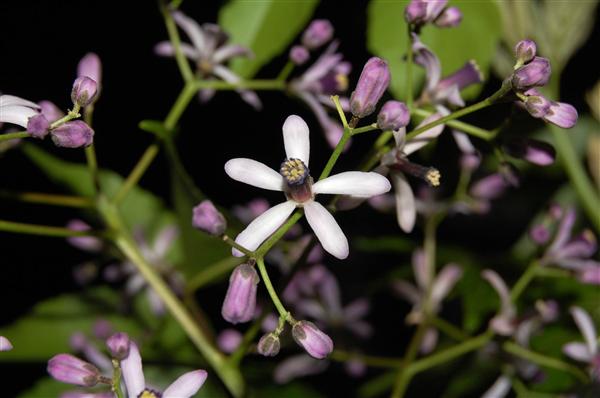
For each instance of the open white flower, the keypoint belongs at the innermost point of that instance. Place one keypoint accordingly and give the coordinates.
(297, 184)
(15, 110)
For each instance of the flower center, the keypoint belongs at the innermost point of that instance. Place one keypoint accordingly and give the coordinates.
(149, 394)
(298, 180)
(205, 67)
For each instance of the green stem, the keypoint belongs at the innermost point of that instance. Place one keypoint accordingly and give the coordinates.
(249, 336)
(403, 377)
(13, 136)
(230, 375)
(266, 246)
(448, 328)
(182, 62)
(212, 272)
(544, 360)
(116, 380)
(462, 126)
(233, 243)
(181, 103)
(90, 155)
(286, 71)
(265, 277)
(369, 360)
(48, 199)
(46, 230)
(409, 70)
(270, 84)
(340, 110)
(72, 114)
(136, 174)
(523, 281)
(364, 129)
(492, 99)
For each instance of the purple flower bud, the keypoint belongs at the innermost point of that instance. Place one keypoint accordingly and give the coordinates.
(470, 161)
(208, 219)
(91, 67)
(393, 115)
(535, 73)
(316, 343)
(525, 51)
(118, 344)
(562, 114)
(73, 134)
(84, 91)
(240, 300)
(372, 83)
(299, 55)
(539, 234)
(490, 187)
(5, 344)
(38, 126)
(537, 105)
(269, 345)
(72, 370)
(415, 12)
(102, 329)
(319, 32)
(50, 111)
(533, 151)
(229, 340)
(589, 274)
(449, 18)
(86, 243)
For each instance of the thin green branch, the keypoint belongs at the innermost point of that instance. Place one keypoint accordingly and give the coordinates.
(272, 84)
(182, 62)
(269, 243)
(212, 272)
(283, 313)
(475, 131)
(369, 360)
(48, 199)
(14, 136)
(45, 230)
(524, 281)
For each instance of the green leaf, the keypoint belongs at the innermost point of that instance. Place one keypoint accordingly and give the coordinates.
(266, 27)
(475, 38)
(48, 387)
(480, 301)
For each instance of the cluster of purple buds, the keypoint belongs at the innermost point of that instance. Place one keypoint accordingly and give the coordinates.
(317, 34)
(421, 12)
(372, 83)
(530, 72)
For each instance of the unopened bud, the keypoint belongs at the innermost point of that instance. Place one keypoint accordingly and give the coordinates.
(562, 114)
(319, 32)
(84, 91)
(38, 126)
(118, 344)
(269, 345)
(50, 111)
(525, 51)
(240, 299)
(537, 105)
(415, 12)
(299, 55)
(393, 116)
(316, 343)
(208, 219)
(535, 73)
(449, 18)
(72, 370)
(73, 134)
(372, 83)
(533, 151)
(91, 67)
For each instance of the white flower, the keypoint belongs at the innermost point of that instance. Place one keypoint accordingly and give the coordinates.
(298, 186)
(184, 387)
(17, 110)
(589, 351)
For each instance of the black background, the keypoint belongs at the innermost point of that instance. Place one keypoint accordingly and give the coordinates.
(41, 44)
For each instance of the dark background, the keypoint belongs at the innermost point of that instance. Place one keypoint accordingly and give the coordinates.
(41, 44)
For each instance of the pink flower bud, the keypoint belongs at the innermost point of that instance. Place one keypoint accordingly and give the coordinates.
(91, 67)
(118, 344)
(5, 344)
(269, 345)
(319, 32)
(73, 134)
(84, 91)
(72, 370)
(537, 105)
(229, 340)
(540, 234)
(240, 300)
(372, 83)
(415, 12)
(449, 18)
(525, 51)
(50, 111)
(562, 114)
(393, 115)
(533, 151)
(208, 219)
(86, 243)
(38, 126)
(535, 73)
(299, 55)
(316, 343)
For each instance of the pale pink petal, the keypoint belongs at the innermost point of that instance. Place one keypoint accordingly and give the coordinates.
(247, 95)
(407, 291)
(355, 183)
(499, 389)
(429, 341)
(444, 282)
(503, 322)
(228, 51)
(254, 173)
(166, 49)
(406, 211)
(192, 30)
(263, 226)
(326, 229)
(356, 309)
(17, 114)
(578, 351)
(586, 326)
(165, 239)
(5, 344)
(419, 265)
(298, 366)
(133, 374)
(296, 139)
(12, 100)
(186, 385)
(425, 137)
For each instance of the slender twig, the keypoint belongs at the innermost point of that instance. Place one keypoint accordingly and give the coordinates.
(182, 62)
(369, 360)
(13, 136)
(48, 199)
(211, 272)
(46, 230)
(272, 293)
(273, 84)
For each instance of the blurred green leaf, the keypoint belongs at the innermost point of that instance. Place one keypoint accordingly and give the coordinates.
(48, 387)
(476, 38)
(480, 301)
(267, 27)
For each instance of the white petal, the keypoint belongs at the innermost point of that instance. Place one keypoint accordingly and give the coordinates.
(247, 95)
(164, 240)
(296, 138)
(407, 291)
(444, 282)
(355, 183)
(228, 51)
(263, 226)
(166, 49)
(577, 351)
(133, 374)
(420, 269)
(425, 137)
(5, 344)
(254, 173)
(429, 341)
(400, 136)
(192, 30)
(406, 210)
(499, 389)
(327, 230)
(186, 385)
(507, 309)
(585, 324)
(16, 114)
(10, 100)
